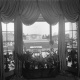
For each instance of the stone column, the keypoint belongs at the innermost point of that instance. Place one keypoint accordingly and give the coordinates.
(78, 36)
(61, 44)
(51, 41)
(18, 41)
(2, 72)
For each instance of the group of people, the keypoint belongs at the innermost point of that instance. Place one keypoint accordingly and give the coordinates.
(72, 57)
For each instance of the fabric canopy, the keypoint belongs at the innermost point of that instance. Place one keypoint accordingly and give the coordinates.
(48, 12)
(8, 10)
(70, 9)
(29, 10)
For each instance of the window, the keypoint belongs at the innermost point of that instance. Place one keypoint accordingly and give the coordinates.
(38, 34)
(37, 40)
(55, 37)
(8, 45)
(71, 44)
(71, 35)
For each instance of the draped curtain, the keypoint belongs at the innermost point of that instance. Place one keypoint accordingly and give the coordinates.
(8, 10)
(49, 13)
(70, 9)
(28, 11)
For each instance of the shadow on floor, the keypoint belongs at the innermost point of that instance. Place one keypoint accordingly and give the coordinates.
(58, 77)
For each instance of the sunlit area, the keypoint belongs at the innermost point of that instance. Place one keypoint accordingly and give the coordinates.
(8, 46)
(36, 40)
(71, 44)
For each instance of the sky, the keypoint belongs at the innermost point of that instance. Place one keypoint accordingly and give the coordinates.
(39, 28)
(36, 28)
(9, 25)
(42, 28)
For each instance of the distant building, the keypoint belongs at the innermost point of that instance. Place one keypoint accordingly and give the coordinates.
(33, 37)
(9, 35)
(9, 38)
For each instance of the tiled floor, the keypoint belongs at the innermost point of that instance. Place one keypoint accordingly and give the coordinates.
(58, 77)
